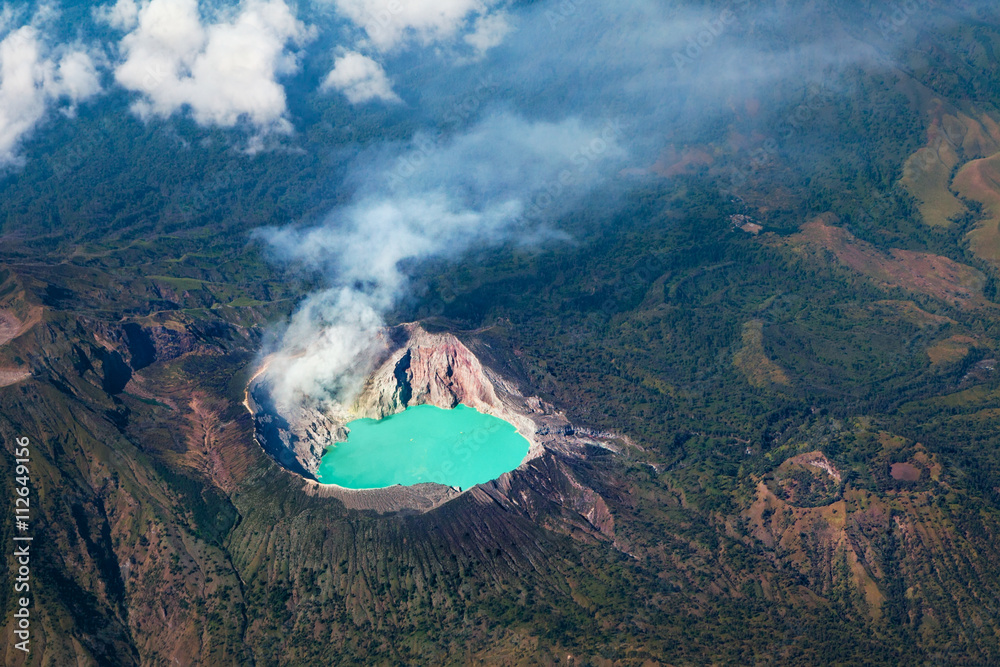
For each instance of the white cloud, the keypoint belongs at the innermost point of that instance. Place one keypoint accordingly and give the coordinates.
(395, 24)
(360, 78)
(32, 79)
(77, 77)
(123, 15)
(391, 23)
(222, 71)
(489, 31)
(7, 16)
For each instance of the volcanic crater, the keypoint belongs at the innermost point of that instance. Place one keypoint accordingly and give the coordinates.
(419, 367)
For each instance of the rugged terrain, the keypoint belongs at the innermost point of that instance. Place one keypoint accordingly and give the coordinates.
(773, 366)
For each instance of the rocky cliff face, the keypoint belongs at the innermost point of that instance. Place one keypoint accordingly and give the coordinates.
(430, 369)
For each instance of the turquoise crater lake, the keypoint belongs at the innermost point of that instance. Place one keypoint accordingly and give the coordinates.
(460, 447)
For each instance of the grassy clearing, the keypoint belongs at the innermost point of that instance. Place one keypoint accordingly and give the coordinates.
(752, 360)
(951, 139)
(950, 350)
(979, 181)
(180, 284)
(925, 176)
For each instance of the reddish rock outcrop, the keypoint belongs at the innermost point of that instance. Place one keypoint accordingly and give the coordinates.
(429, 369)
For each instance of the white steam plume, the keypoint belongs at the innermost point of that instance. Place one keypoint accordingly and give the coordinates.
(505, 176)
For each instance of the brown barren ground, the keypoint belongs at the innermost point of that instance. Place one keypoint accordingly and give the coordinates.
(11, 327)
(905, 472)
(920, 272)
(9, 376)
